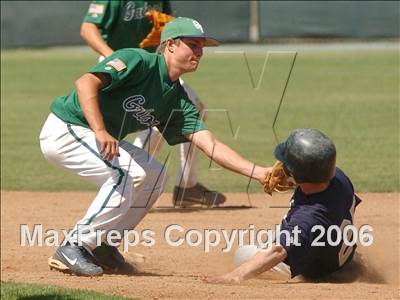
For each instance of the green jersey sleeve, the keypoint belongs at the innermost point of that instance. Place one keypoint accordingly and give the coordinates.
(122, 65)
(105, 15)
(183, 120)
(98, 12)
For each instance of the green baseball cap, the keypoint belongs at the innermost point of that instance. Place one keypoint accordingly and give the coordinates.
(186, 27)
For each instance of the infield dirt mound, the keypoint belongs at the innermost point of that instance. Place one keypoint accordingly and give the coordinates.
(176, 272)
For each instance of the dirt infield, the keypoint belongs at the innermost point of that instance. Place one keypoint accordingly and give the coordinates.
(176, 272)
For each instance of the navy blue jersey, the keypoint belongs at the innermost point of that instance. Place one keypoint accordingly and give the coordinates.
(315, 257)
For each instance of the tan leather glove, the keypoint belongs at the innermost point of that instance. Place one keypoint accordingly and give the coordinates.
(159, 20)
(277, 180)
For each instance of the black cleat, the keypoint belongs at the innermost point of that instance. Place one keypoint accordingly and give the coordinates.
(198, 194)
(76, 260)
(109, 258)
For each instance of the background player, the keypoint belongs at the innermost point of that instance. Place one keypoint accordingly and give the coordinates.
(324, 196)
(128, 91)
(113, 25)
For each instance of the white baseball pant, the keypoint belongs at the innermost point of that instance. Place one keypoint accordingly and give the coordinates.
(151, 140)
(129, 184)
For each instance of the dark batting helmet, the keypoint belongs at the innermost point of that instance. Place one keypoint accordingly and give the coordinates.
(308, 155)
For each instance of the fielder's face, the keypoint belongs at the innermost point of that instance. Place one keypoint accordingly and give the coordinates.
(188, 53)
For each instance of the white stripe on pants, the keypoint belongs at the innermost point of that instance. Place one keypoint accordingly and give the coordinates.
(129, 184)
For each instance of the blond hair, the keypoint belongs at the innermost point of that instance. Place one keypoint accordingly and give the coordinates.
(163, 45)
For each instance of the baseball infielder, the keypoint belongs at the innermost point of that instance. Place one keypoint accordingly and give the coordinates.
(128, 91)
(114, 25)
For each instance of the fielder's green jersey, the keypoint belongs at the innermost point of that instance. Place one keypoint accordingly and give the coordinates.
(140, 95)
(123, 23)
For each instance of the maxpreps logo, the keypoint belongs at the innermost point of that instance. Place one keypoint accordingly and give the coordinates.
(134, 104)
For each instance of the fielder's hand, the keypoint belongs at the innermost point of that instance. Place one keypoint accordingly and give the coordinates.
(108, 145)
(259, 173)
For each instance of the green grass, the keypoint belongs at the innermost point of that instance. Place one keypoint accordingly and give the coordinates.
(353, 96)
(11, 290)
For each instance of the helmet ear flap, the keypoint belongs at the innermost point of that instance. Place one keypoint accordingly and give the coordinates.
(289, 175)
(287, 172)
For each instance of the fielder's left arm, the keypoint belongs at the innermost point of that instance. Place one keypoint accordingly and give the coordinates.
(225, 156)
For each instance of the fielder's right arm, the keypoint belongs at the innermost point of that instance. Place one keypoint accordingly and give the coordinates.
(92, 36)
(87, 87)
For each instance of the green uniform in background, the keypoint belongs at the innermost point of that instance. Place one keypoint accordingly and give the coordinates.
(139, 96)
(123, 23)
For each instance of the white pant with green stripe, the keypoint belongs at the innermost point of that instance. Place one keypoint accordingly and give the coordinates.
(129, 184)
(151, 140)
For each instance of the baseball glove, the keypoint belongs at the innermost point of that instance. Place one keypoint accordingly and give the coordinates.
(159, 20)
(277, 180)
